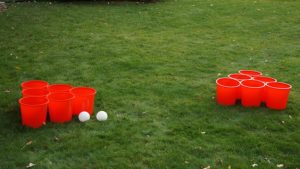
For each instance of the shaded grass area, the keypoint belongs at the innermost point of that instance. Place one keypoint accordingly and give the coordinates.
(154, 67)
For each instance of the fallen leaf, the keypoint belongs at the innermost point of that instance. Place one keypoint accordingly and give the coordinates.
(56, 138)
(280, 165)
(254, 165)
(30, 165)
(208, 167)
(198, 148)
(7, 91)
(268, 160)
(27, 144)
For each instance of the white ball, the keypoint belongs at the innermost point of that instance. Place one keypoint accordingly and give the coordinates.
(101, 116)
(84, 116)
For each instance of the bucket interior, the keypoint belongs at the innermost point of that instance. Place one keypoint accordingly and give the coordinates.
(33, 101)
(34, 84)
(253, 83)
(228, 82)
(250, 72)
(61, 96)
(279, 85)
(239, 76)
(265, 79)
(59, 87)
(35, 92)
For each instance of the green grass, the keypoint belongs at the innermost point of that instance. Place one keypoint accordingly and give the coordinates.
(154, 66)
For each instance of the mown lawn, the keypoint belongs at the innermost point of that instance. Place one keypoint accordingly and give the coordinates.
(154, 66)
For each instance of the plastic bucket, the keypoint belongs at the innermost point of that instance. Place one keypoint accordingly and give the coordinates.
(33, 111)
(251, 93)
(34, 84)
(227, 91)
(277, 95)
(84, 99)
(59, 88)
(35, 92)
(251, 73)
(264, 79)
(60, 107)
(239, 77)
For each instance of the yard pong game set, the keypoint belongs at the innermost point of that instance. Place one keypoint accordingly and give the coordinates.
(252, 88)
(61, 101)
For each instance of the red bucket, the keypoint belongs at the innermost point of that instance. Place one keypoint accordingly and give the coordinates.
(239, 77)
(34, 84)
(227, 91)
(60, 107)
(59, 88)
(33, 111)
(84, 99)
(264, 79)
(251, 73)
(35, 92)
(251, 93)
(277, 95)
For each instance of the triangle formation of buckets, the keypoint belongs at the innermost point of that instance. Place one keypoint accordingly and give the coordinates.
(252, 88)
(61, 101)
